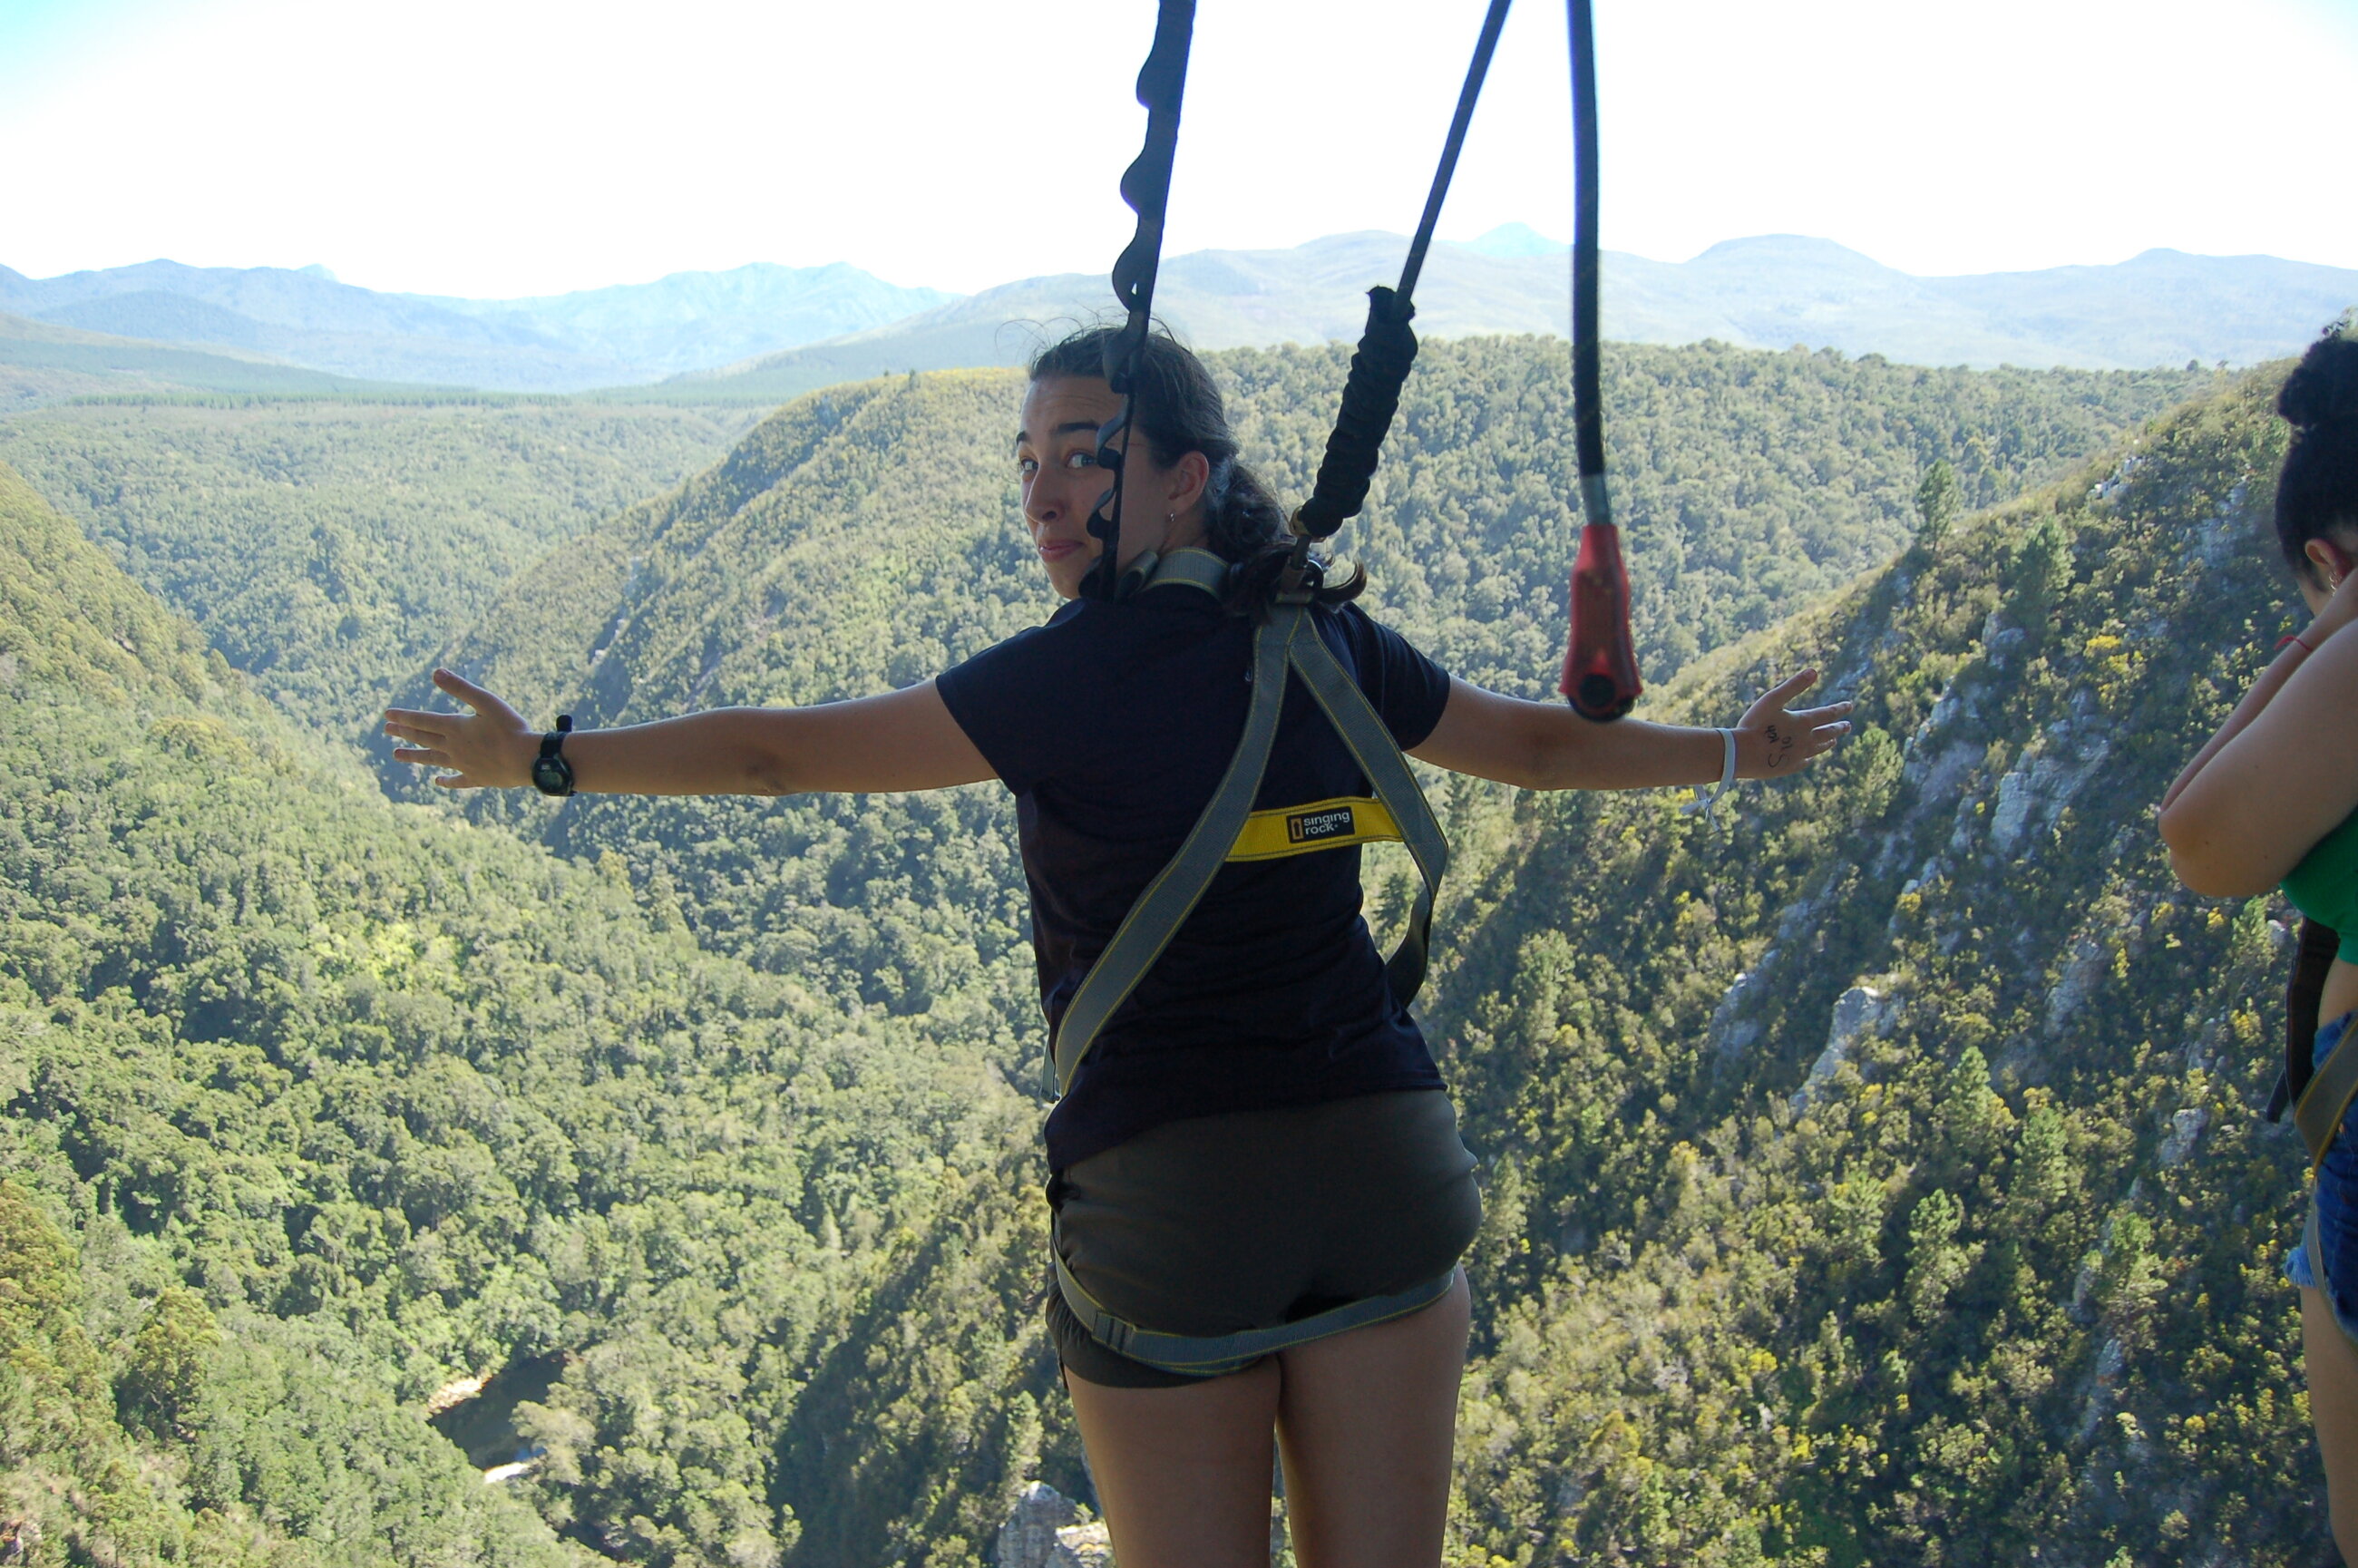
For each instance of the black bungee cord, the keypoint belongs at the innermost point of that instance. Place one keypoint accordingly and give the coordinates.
(1600, 663)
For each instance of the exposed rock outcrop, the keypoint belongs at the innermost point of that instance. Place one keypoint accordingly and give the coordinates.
(1859, 1012)
(454, 1393)
(1045, 1531)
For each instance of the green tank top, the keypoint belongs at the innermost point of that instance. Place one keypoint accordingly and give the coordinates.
(2324, 886)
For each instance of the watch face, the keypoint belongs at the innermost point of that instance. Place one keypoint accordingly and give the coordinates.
(551, 775)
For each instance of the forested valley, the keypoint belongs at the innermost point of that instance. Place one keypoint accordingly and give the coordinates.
(1871, 1169)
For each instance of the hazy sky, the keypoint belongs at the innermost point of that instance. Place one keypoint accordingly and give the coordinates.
(495, 147)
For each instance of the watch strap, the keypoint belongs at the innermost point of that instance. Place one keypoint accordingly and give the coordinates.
(551, 774)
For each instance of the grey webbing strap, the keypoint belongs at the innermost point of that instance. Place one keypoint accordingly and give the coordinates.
(1210, 1355)
(1168, 900)
(1379, 755)
(2327, 1099)
(1191, 567)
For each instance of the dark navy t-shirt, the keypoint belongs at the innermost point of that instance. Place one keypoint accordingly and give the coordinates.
(1112, 725)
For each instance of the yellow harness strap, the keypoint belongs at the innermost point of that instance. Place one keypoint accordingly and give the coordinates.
(1333, 824)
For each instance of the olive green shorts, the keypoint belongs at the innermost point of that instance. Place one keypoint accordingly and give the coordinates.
(1219, 1224)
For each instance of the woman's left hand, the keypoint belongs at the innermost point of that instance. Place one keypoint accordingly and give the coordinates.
(1774, 738)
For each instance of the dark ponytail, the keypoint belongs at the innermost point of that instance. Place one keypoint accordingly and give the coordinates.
(1180, 410)
(2317, 491)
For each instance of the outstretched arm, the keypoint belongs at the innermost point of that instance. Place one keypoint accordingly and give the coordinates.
(904, 739)
(1546, 745)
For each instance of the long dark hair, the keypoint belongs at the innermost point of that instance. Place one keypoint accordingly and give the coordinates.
(2317, 490)
(1180, 410)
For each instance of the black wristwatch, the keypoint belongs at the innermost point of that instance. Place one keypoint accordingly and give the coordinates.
(551, 774)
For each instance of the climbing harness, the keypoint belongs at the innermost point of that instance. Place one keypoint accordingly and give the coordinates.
(2313, 957)
(1600, 670)
(1210, 1354)
(2320, 1095)
(1229, 830)
(1370, 397)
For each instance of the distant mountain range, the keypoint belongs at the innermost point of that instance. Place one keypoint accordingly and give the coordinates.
(2163, 307)
(768, 332)
(41, 362)
(636, 332)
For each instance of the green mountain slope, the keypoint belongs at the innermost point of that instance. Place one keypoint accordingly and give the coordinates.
(1878, 1176)
(327, 548)
(69, 618)
(135, 1429)
(315, 1104)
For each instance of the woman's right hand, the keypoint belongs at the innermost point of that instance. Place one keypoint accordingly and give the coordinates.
(489, 748)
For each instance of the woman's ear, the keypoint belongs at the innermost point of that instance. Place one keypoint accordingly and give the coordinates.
(2332, 561)
(1189, 475)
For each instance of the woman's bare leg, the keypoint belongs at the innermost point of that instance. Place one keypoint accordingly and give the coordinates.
(1366, 1420)
(1184, 1472)
(2333, 1365)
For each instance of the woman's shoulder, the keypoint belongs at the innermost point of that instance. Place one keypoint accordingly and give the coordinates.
(1085, 649)
(1068, 624)
(1404, 683)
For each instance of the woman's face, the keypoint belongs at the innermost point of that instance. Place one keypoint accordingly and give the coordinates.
(1056, 453)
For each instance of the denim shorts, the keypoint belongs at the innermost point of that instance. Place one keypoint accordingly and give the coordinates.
(2337, 1210)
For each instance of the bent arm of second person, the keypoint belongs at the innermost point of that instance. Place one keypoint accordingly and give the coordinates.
(2277, 785)
(901, 740)
(2337, 613)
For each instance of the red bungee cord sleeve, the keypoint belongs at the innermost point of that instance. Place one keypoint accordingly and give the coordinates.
(1600, 668)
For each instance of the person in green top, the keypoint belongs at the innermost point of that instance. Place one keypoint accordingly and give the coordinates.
(2272, 800)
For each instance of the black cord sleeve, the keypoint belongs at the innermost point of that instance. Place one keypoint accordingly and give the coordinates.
(1146, 186)
(1370, 397)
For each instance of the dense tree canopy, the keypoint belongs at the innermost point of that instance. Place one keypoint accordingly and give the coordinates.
(325, 548)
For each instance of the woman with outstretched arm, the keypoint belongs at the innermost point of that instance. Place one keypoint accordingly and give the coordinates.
(2272, 801)
(1258, 1136)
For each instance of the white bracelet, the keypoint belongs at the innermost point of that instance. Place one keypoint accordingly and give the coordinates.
(1708, 804)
